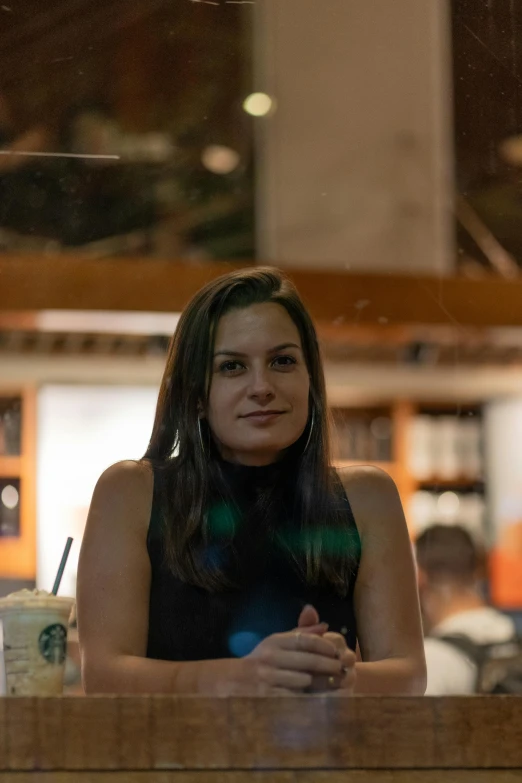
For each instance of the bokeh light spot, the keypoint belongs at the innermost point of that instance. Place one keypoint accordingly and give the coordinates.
(242, 643)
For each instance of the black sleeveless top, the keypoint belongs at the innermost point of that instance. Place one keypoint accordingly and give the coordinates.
(189, 623)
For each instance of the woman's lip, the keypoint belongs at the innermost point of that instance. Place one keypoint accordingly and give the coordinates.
(262, 414)
(260, 419)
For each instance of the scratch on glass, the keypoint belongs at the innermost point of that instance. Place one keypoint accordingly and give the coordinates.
(438, 301)
(490, 51)
(23, 154)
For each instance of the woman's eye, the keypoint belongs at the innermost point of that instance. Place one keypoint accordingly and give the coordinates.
(230, 366)
(284, 361)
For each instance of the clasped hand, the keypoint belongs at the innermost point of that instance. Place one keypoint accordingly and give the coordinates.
(308, 659)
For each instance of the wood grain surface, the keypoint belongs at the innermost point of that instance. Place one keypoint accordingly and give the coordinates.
(267, 776)
(71, 282)
(161, 733)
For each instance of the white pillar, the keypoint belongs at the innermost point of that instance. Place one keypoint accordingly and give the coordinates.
(355, 165)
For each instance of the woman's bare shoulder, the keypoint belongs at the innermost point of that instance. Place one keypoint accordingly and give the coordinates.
(372, 494)
(128, 471)
(124, 491)
(357, 477)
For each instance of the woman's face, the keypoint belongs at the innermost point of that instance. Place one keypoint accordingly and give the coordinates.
(258, 401)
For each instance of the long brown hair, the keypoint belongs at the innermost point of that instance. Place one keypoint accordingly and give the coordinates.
(190, 476)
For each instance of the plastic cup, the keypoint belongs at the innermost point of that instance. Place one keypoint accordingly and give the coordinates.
(35, 642)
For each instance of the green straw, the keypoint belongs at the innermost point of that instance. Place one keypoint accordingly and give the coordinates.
(61, 568)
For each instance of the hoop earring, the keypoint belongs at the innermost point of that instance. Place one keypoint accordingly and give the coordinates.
(201, 437)
(312, 422)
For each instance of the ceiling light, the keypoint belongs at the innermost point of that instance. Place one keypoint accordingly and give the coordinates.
(219, 159)
(511, 150)
(258, 104)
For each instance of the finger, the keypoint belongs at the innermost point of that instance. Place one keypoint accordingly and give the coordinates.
(337, 638)
(309, 616)
(307, 662)
(348, 659)
(338, 641)
(277, 677)
(319, 629)
(306, 642)
(334, 685)
(323, 684)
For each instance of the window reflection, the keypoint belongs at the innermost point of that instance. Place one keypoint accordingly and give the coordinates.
(129, 129)
(123, 132)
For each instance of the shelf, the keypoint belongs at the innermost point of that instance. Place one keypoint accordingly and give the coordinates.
(18, 554)
(10, 467)
(460, 483)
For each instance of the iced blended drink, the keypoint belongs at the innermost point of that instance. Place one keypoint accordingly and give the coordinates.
(35, 642)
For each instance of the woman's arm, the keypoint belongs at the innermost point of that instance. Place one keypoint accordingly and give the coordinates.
(114, 578)
(113, 595)
(386, 596)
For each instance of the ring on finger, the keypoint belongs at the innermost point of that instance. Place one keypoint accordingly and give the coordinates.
(331, 681)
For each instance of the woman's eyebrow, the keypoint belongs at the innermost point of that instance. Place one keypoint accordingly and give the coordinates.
(227, 352)
(283, 347)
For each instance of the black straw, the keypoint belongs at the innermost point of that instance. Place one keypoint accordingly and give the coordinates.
(61, 568)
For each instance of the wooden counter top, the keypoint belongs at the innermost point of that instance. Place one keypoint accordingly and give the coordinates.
(309, 738)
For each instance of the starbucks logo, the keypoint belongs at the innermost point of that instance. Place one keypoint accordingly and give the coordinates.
(53, 643)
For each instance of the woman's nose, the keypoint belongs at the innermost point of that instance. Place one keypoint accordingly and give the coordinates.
(261, 385)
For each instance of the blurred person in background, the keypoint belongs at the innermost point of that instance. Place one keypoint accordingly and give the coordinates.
(451, 569)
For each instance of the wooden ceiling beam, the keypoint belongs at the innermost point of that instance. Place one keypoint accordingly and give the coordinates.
(74, 283)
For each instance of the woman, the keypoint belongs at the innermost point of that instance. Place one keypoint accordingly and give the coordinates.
(216, 564)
